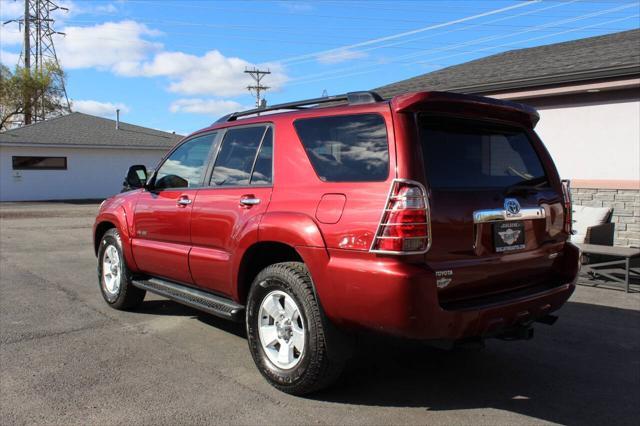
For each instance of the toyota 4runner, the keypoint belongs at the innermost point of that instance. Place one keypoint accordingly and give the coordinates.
(431, 216)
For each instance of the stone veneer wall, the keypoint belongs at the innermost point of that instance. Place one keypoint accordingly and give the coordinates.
(626, 210)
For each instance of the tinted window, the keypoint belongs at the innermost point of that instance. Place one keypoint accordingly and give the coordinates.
(262, 170)
(185, 166)
(346, 148)
(237, 155)
(39, 163)
(461, 154)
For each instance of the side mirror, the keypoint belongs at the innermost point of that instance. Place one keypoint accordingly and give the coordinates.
(136, 177)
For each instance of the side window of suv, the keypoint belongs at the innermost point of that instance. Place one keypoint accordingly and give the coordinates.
(186, 165)
(237, 160)
(263, 169)
(346, 148)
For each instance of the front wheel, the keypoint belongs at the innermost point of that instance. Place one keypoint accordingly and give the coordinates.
(292, 343)
(113, 275)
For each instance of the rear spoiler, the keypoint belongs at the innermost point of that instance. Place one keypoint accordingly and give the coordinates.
(466, 104)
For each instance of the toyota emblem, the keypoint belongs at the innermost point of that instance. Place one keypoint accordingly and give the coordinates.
(511, 206)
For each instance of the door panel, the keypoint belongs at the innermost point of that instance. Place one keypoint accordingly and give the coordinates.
(162, 234)
(218, 221)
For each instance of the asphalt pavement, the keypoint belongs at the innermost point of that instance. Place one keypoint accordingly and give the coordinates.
(67, 358)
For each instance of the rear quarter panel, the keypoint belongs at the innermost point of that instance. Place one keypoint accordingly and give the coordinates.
(298, 188)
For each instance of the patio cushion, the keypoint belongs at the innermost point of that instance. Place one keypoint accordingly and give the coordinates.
(585, 217)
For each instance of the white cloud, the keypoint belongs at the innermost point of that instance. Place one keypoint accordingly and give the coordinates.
(125, 49)
(107, 8)
(10, 9)
(210, 74)
(212, 107)
(115, 46)
(9, 59)
(103, 109)
(338, 56)
(10, 35)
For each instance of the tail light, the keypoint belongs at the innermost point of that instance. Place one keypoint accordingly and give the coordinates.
(404, 227)
(568, 216)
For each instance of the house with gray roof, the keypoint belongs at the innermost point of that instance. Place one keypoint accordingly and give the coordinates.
(587, 92)
(75, 156)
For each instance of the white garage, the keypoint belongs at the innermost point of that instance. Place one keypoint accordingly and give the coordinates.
(75, 157)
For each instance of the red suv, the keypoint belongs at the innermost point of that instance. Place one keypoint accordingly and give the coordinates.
(431, 216)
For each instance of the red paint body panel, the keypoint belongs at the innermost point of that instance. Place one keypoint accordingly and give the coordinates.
(331, 226)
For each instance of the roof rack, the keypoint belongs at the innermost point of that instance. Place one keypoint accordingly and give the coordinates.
(352, 98)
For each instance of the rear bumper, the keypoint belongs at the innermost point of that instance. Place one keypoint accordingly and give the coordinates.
(389, 296)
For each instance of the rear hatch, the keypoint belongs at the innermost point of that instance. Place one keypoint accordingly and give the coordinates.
(496, 201)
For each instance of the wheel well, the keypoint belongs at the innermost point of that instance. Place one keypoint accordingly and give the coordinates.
(258, 257)
(101, 229)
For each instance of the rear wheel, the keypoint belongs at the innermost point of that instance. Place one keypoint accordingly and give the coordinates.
(113, 274)
(292, 343)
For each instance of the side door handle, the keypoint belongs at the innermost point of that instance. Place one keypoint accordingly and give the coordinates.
(183, 201)
(249, 200)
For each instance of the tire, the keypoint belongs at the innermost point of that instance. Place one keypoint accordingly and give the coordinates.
(323, 354)
(115, 285)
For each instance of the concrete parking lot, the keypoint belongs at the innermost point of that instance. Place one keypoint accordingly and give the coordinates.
(67, 358)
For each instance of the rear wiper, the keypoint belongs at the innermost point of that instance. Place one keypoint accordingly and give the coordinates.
(527, 184)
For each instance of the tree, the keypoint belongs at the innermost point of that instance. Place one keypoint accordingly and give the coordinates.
(22, 91)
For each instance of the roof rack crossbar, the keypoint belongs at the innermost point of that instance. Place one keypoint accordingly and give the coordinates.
(352, 98)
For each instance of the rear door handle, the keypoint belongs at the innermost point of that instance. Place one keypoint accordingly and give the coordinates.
(183, 201)
(249, 200)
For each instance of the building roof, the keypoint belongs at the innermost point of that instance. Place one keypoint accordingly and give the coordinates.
(607, 56)
(84, 130)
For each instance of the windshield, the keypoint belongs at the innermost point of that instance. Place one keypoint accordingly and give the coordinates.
(467, 154)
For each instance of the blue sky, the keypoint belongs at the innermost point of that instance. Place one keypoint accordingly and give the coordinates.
(178, 65)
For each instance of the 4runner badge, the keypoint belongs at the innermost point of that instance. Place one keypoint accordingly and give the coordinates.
(444, 278)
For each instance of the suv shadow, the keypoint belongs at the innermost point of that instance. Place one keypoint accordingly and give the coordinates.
(585, 369)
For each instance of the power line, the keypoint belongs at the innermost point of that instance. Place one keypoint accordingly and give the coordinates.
(373, 68)
(474, 43)
(407, 33)
(503, 18)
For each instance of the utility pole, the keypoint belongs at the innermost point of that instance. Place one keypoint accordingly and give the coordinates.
(258, 88)
(27, 60)
(38, 51)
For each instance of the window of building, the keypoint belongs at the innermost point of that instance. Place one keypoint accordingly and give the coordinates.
(39, 163)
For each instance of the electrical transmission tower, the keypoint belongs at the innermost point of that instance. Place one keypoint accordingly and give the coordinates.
(258, 88)
(38, 52)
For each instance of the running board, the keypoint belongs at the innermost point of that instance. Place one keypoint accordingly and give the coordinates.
(215, 305)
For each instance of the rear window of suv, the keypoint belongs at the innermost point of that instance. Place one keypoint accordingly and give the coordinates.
(466, 154)
(346, 148)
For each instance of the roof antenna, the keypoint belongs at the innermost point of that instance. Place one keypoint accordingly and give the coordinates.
(117, 119)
